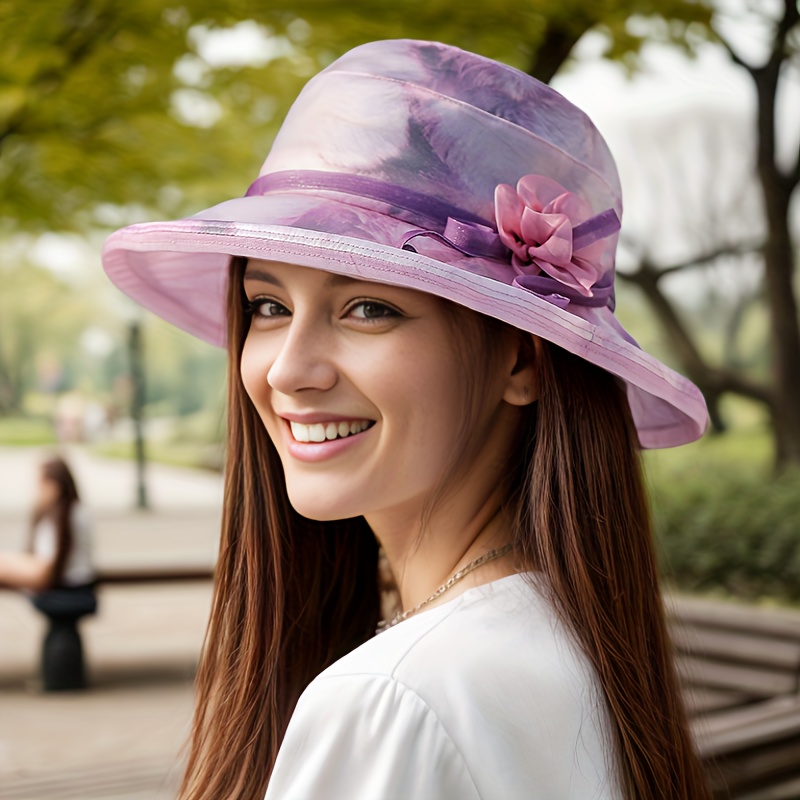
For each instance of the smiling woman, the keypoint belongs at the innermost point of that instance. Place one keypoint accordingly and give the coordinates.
(417, 299)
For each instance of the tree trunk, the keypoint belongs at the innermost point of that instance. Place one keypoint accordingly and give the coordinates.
(777, 189)
(784, 329)
(557, 43)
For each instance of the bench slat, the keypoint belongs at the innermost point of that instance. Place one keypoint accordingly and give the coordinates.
(757, 769)
(750, 680)
(730, 616)
(702, 700)
(153, 574)
(784, 790)
(749, 648)
(748, 728)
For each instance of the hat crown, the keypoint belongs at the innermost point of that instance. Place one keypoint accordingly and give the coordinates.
(444, 122)
(416, 164)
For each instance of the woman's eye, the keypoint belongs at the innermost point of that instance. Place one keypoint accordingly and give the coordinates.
(370, 309)
(263, 307)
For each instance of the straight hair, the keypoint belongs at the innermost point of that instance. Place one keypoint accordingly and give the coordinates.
(293, 595)
(55, 469)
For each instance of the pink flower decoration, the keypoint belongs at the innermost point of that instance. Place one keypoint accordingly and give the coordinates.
(536, 223)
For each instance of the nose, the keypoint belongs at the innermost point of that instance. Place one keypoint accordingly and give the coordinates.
(304, 360)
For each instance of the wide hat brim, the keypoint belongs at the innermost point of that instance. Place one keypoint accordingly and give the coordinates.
(179, 270)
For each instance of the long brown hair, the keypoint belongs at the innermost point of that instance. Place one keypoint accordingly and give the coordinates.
(293, 595)
(55, 469)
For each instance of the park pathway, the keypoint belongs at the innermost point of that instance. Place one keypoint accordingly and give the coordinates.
(121, 739)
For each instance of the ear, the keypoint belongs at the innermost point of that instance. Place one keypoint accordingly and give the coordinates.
(522, 384)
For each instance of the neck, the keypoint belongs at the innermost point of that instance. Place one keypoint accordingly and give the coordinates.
(424, 554)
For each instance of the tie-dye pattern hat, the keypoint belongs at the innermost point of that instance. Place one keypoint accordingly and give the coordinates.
(420, 165)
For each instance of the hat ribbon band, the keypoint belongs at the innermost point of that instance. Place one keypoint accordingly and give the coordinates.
(476, 239)
(464, 231)
(417, 203)
(560, 295)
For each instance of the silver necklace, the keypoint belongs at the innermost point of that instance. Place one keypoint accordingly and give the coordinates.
(451, 582)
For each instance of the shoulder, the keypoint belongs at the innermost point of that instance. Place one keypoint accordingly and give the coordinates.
(490, 678)
(505, 629)
(367, 736)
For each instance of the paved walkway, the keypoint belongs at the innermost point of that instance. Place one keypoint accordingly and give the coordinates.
(121, 739)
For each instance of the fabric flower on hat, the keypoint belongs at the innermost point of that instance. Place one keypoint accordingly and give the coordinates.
(536, 222)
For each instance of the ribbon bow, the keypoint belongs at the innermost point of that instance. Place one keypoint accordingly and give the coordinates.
(550, 229)
(555, 245)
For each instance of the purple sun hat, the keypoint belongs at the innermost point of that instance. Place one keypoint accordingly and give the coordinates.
(417, 164)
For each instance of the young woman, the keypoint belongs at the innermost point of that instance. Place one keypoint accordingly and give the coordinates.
(417, 299)
(59, 552)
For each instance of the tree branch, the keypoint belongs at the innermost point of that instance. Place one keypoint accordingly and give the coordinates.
(712, 381)
(700, 260)
(734, 56)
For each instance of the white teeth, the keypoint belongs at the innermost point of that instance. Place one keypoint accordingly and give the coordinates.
(327, 431)
(316, 433)
(300, 432)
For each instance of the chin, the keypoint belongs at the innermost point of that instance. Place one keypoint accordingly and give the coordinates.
(321, 509)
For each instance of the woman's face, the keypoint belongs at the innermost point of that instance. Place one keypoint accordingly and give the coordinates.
(361, 389)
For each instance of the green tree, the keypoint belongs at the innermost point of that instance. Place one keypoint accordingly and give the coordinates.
(91, 91)
(41, 319)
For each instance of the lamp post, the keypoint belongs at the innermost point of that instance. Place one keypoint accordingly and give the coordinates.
(135, 355)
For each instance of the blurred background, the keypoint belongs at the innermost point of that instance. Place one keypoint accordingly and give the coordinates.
(116, 112)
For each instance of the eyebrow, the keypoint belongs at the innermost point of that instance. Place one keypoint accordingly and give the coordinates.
(258, 275)
(332, 281)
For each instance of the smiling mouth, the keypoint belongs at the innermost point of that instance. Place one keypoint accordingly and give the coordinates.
(328, 431)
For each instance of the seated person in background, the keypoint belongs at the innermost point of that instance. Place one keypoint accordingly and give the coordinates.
(59, 551)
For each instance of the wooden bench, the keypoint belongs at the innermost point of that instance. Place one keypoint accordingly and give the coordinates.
(62, 660)
(740, 668)
(153, 574)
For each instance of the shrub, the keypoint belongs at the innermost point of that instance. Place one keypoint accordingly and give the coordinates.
(731, 532)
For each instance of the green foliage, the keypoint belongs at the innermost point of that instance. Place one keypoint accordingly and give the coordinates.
(182, 374)
(735, 533)
(25, 432)
(90, 90)
(86, 109)
(41, 318)
(59, 335)
(724, 523)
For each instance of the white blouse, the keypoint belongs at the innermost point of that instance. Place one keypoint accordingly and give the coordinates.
(485, 697)
(78, 568)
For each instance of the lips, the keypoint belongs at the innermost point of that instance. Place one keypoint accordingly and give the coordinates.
(328, 431)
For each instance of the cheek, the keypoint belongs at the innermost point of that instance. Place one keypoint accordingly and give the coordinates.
(430, 420)
(253, 368)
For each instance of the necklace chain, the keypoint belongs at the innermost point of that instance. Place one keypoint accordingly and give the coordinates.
(452, 581)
